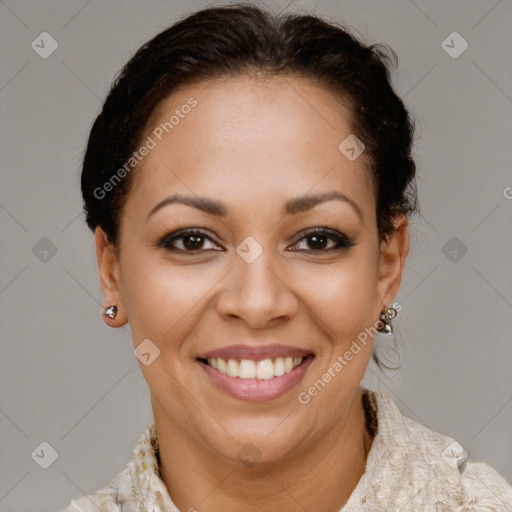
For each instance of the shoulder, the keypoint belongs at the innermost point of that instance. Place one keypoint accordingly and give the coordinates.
(477, 485)
(485, 489)
(130, 486)
(411, 467)
(137, 487)
(102, 500)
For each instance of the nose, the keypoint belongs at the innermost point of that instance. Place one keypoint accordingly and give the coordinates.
(258, 293)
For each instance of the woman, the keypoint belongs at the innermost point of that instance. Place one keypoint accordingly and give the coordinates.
(249, 183)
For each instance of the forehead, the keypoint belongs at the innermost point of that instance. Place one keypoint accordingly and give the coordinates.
(247, 135)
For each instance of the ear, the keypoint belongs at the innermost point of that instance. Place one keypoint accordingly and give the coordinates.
(108, 267)
(393, 253)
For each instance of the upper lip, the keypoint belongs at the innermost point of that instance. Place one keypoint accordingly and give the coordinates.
(256, 353)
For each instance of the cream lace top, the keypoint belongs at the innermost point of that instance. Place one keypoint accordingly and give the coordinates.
(409, 468)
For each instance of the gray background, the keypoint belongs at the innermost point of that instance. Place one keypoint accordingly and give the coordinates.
(68, 379)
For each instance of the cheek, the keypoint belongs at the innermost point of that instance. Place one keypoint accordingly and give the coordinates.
(345, 302)
(162, 299)
(154, 296)
(344, 296)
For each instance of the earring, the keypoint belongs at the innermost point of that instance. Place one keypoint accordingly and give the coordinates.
(384, 326)
(111, 311)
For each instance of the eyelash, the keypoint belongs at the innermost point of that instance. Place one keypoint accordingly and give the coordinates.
(342, 242)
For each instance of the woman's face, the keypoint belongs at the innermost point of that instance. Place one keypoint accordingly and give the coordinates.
(253, 155)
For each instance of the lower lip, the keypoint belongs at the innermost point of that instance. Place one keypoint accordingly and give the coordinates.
(256, 390)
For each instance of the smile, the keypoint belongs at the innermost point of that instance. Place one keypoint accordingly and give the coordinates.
(256, 380)
(261, 370)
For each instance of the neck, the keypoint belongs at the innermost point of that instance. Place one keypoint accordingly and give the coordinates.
(320, 477)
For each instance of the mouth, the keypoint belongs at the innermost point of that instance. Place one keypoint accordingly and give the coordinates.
(264, 369)
(256, 374)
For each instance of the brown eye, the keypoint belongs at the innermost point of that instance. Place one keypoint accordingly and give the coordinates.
(318, 240)
(191, 240)
(194, 240)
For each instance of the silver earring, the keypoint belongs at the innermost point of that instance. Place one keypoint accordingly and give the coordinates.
(384, 325)
(111, 311)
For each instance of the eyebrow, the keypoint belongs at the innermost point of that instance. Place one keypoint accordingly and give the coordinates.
(293, 206)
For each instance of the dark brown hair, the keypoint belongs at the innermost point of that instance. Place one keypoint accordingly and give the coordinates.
(224, 41)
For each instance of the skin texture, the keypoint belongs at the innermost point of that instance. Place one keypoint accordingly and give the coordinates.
(252, 143)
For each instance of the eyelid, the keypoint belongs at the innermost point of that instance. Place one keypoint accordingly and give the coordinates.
(325, 230)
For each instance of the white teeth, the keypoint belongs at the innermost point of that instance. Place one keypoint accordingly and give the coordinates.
(288, 364)
(222, 365)
(265, 369)
(233, 368)
(248, 369)
(279, 367)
